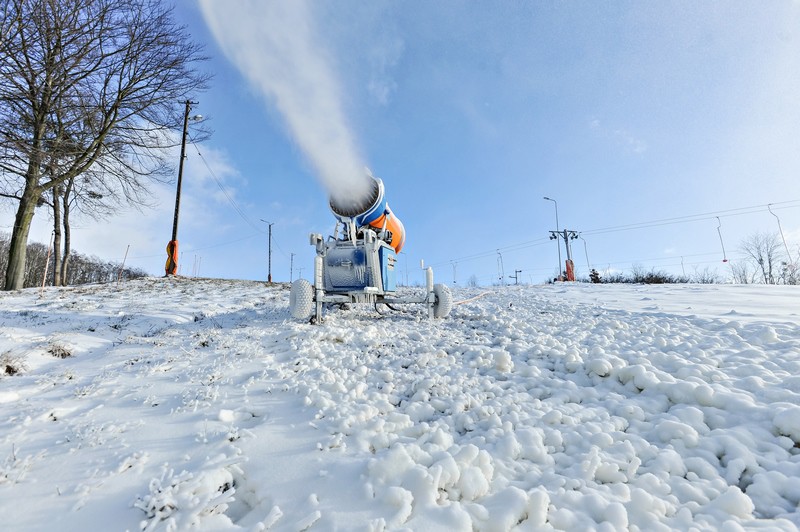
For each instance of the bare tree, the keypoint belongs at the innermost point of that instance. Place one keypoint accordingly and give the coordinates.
(790, 273)
(741, 273)
(78, 194)
(87, 84)
(764, 251)
(705, 276)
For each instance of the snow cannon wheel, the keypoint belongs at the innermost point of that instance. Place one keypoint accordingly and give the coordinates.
(444, 301)
(301, 299)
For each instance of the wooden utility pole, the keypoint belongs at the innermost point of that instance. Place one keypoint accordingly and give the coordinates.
(171, 268)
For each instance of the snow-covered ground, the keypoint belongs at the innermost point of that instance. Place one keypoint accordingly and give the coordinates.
(167, 404)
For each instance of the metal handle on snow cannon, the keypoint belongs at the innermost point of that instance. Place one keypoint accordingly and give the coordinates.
(372, 210)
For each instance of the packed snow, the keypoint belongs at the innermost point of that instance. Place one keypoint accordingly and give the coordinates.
(174, 404)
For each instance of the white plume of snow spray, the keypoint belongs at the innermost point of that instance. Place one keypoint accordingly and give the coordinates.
(275, 46)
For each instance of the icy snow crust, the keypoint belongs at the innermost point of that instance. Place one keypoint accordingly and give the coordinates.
(172, 404)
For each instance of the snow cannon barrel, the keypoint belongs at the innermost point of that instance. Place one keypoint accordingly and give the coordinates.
(372, 210)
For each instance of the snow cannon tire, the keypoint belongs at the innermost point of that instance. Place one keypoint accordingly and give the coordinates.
(301, 299)
(444, 301)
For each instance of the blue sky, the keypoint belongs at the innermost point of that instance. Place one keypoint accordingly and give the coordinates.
(625, 113)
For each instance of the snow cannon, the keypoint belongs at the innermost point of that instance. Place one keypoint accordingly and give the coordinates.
(358, 262)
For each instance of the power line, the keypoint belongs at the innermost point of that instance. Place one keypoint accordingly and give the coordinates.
(275, 242)
(204, 248)
(230, 199)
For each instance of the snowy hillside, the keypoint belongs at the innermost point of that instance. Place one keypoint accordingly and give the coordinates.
(167, 404)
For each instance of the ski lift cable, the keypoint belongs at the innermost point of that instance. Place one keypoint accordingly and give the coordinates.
(693, 217)
(788, 204)
(657, 259)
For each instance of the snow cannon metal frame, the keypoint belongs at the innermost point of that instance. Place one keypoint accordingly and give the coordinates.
(357, 264)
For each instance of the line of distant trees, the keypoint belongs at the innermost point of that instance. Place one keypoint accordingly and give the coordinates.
(82, 269)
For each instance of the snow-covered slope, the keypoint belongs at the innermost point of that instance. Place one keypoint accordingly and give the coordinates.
(167, 404)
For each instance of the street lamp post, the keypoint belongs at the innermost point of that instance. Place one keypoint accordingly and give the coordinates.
(269, 253)
(171, 267)
(557, 232)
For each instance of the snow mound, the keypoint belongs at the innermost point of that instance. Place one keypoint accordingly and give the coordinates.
(200, 404)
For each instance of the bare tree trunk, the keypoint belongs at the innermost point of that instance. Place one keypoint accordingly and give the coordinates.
(56, 236)
(18, 248)
(772, 262)
(67, 239)
(32, 193)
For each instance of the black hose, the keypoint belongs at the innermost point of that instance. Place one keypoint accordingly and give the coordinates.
(388, 305)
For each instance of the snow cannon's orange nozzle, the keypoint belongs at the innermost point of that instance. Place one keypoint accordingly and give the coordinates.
(394, 226)
(372, 211)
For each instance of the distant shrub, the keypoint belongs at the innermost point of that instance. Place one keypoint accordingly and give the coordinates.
(637, 276)
(615, 278)
(11, 365)
(656, 277)
(59, 351)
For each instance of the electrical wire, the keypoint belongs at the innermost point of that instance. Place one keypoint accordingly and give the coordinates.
(222, 244)
(230, 199)
(233, 203)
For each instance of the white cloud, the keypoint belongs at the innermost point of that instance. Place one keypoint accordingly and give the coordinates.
(381, 89)
(383, 58)
(620, 136)
(630, 142)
